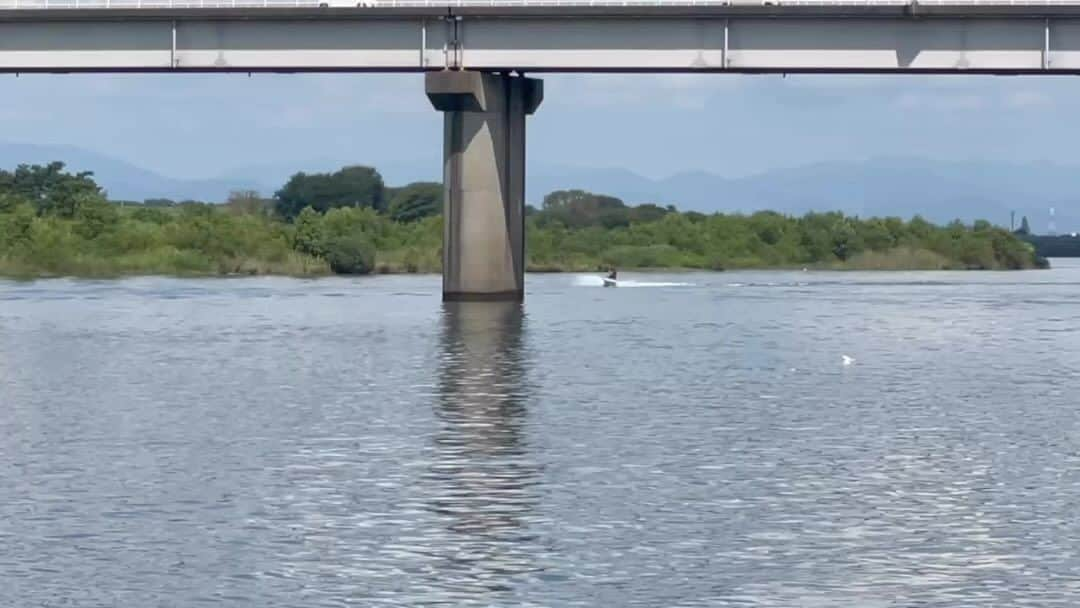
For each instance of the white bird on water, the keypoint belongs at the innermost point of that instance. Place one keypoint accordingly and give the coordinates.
(847, 360)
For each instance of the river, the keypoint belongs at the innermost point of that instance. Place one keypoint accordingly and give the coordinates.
(691, 440)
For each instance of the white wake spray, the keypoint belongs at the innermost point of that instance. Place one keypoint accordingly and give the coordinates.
(596, 281)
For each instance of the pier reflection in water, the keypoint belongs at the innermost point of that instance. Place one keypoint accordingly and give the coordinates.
(481, 481)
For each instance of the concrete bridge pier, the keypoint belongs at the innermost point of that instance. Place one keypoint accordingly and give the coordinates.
(483, 180)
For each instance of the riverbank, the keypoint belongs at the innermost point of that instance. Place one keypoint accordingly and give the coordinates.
(187, 265)
(898, 259)
(207, 241)
(57, 224)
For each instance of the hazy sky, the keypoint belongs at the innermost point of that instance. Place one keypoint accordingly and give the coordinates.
(205, 125)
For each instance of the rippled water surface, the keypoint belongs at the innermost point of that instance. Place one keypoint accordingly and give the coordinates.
(693, 440)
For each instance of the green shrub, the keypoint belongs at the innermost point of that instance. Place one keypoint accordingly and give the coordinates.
(349, 253)
(151, 215)
(416, 201)
(94, 217)
(646, 256)
(16, 227)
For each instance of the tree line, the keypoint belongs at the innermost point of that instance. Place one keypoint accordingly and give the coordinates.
(55, 222)
(1050, 245)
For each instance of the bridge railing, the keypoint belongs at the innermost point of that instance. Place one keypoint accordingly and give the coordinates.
(88, 4)
(466, 3)
(181, 4)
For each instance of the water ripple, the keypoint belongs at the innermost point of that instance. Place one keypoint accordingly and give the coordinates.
(275, 442)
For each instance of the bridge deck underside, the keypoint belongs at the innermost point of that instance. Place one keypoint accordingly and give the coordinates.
(183, 41)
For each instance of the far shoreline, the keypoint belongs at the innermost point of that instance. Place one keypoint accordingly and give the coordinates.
(398, 273)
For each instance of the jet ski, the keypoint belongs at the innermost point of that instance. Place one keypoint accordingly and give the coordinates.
(610, 279)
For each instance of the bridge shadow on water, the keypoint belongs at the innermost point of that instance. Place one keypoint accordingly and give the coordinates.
(482, 480)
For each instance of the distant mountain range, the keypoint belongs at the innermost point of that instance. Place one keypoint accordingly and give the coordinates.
(903, 186)
(121, 179)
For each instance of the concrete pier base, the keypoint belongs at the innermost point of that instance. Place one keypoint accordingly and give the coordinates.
(483, 181)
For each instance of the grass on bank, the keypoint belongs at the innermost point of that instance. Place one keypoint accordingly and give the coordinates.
(57, 224)
(208, 241)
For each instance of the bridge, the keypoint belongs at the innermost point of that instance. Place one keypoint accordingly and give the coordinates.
(475, 55)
